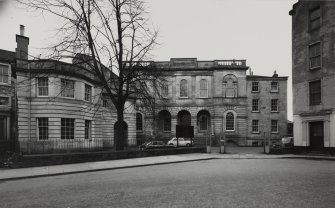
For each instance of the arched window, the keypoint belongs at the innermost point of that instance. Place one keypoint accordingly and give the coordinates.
(230, 122)
(229, 86)
(203, 88)
(139, 122)
(164, 121)
(183, 88)
(203, 123)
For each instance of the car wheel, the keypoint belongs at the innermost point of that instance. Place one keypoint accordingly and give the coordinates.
(187, 145)
(170, 144)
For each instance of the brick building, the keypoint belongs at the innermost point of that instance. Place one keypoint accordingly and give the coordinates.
(218, 98)
(313, 43)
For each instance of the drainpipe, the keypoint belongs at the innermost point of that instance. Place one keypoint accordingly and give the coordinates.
(29, 109)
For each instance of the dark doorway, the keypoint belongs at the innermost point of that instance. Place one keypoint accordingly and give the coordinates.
(184, 118)
(316, 135)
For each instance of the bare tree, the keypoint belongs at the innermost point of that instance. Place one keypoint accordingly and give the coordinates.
(114, 32)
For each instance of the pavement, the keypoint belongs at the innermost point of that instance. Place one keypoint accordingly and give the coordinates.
(22, 173)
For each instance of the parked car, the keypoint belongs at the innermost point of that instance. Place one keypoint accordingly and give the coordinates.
(153, 145)
(285, 145)
(182, 142)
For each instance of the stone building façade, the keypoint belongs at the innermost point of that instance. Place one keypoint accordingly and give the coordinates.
(313, 44)
(217, 98)
(60, 106)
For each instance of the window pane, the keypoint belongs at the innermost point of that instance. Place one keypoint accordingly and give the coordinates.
(255, 106)
(203, 88)
(67, 87)
(274, 126)
(88, 92)
(67, 128)
(139, 122)
(230, 122)
(203, 123)
(274, 86)
(274, 105)
(88, 129)
(183, 88)
(42, 85)
(43, 128)
(315, 92)
(255, 126)
(254, 87)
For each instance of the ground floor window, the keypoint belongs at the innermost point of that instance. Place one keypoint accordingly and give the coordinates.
(139, 122)
(167, 124)
(3, 128)
(43, 128)
(88, 129)
(255, 127)
(230, 122)
(274, 126)
(203, 123)
(67, 128)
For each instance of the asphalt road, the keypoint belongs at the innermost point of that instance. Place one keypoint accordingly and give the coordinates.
(213, 183)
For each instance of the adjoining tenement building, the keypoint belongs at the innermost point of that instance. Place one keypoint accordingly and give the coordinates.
(217, 98)
(7, 101)
(313, 50)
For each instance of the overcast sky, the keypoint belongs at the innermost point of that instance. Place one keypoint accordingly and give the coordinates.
(256, 30)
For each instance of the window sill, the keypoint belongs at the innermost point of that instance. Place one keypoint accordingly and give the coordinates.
(254, 111)
(255, 132)
(274, 111)
(274, 132)
(314, 68)
(273, 91)
(254, 91)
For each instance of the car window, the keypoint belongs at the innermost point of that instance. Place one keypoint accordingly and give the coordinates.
(181, 139)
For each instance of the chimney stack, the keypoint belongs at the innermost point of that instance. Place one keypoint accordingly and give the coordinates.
(22, 45)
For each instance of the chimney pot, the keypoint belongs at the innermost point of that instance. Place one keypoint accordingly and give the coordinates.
(22, 30)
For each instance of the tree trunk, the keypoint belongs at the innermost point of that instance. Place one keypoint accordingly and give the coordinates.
(120, 131)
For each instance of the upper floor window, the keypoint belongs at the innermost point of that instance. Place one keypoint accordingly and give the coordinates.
(88, 92)
(67, 88)
(230, 122)
(43, 128)
(230, 86)
(315, 55)
(139, 122)
(315, 92)
(203, 88)
(254, 87)
(67, 128)
(274, 105)
(255, 105)
(274, 86)
(4, 73)
(165, 90)
(42, 86)
(4, 100)
(183, 88)
(104, 103)
(315, 18)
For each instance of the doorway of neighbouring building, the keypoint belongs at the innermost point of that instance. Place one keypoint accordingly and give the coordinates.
(316, 136)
